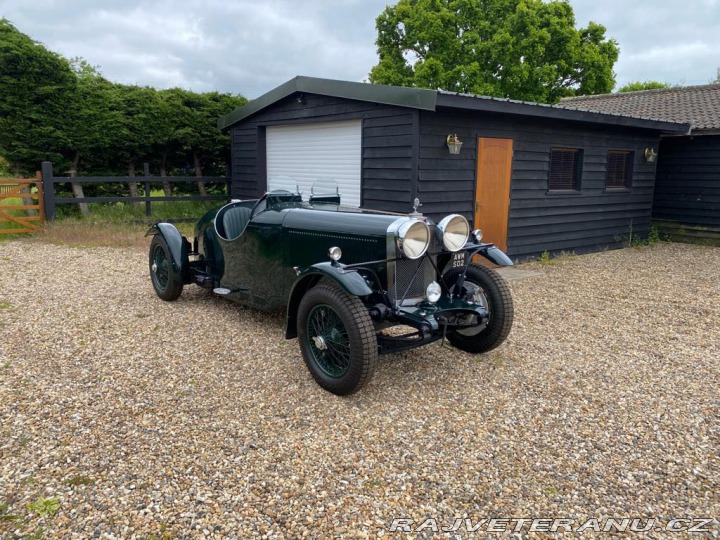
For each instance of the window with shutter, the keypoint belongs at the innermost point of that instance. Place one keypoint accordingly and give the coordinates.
(565, 165)
(619, 169)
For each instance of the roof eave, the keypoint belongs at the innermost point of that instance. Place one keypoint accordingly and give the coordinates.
(416, 98)
(555, 113)
(696, 132)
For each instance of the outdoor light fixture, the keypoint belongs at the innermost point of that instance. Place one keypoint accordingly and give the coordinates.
(650, 154)
(454, 144)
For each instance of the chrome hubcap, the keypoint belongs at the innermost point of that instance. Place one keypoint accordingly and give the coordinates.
(320, 343)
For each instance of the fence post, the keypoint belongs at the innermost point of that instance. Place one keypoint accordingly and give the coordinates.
(48, 190)
(148, 205)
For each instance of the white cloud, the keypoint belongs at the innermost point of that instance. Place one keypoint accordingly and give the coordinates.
(662, 40)
(250, 47)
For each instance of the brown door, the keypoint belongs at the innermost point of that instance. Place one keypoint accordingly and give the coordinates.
(492, 194)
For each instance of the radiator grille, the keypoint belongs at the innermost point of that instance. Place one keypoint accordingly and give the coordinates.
(405, 269)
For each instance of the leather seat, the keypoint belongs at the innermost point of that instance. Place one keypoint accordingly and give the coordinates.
(234, 221)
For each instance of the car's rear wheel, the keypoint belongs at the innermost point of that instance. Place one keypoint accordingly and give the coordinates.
(337, 339)
(166, 281)
(483, 286)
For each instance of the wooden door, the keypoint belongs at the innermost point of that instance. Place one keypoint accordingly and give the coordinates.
(492, 193)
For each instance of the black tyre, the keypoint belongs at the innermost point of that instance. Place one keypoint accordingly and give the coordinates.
(486, 287)
(337, 339)
(166, 281)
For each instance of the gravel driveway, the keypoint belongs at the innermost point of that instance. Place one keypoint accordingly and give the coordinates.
(124, 416)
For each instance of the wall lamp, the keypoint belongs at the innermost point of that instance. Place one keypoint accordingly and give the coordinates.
(454, 144)
(650, 154)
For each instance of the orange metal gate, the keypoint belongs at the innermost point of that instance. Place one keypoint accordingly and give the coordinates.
(25, 217)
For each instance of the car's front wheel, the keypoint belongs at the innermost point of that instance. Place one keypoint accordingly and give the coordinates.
(166, 281)
(337, 339)
(482, 286)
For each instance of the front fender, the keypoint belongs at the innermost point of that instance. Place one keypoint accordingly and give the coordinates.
(496, 255)
(490, 251)
(176, 243)
(348, 280)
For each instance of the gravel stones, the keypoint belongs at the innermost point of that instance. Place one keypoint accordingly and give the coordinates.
(197, 419)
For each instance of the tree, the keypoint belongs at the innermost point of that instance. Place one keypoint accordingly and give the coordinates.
(98, 114)
(142, 112)
(638, 86)
(521, 49)
(93, 124)
(196, 133)
(37, 89)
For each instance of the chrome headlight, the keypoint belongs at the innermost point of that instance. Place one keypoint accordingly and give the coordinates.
(413, 238)
(433, 292)
(335, 253)
(455, 230)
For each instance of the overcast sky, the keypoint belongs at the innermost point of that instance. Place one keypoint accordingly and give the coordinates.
(250, 47)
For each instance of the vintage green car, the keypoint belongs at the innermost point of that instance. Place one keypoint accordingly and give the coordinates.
(345, 276)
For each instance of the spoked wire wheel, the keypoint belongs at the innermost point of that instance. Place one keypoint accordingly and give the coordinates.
(337, 339)
(329, 341)
(166, 280)
(483, 287)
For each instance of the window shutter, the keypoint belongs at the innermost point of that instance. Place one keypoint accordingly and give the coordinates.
(564, 169)
(619, 169)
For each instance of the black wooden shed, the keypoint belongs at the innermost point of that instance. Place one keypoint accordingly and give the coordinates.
(687, 192)
(534, 177)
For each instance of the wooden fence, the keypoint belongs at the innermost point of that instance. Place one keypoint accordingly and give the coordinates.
(51, 201)
(25, 217)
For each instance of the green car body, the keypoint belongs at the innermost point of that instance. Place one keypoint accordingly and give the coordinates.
(270, 253)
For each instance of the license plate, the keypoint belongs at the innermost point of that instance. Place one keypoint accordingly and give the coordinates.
(458, 260)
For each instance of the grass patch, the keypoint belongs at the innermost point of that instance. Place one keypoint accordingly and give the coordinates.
(116, 227)
(45, 506)
(5, 305)
(79, 481)
(121, 212)
(653, 238)
(6, 223)
(5, 515)
(87, 234)
(546, 260)
(119, 224)
(122, 224)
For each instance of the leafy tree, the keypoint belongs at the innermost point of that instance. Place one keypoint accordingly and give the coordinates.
(37, 89)
(68, 113)
(93, 124)
(143, 111)
(196, 135)
(97, 119)
(638, 86)
(521, 49)
(4, 167)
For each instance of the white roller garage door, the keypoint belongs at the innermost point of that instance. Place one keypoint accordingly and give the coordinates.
(310, 152)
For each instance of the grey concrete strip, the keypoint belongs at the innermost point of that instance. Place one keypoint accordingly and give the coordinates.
(511, 273)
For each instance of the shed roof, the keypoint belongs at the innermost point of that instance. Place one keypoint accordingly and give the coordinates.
(696, 105)
(432, 100)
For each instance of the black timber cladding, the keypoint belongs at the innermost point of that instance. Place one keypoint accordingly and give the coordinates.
(687, 192)
(389, 160)
(540, 220)
(404, 154)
